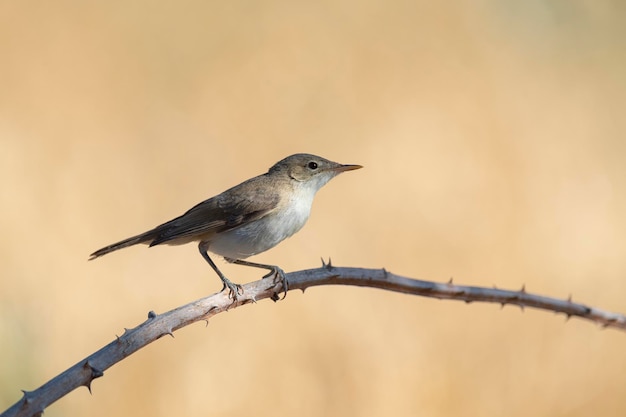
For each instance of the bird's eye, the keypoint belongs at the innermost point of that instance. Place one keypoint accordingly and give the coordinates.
(312, 165)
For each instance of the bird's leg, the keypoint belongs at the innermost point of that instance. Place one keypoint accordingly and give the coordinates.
(278, 273)
(234, 289)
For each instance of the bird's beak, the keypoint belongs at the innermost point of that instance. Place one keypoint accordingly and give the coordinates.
(342, 168)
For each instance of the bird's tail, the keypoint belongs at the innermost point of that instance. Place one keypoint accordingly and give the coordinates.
(142, 238)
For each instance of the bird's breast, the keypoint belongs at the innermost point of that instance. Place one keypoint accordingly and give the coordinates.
(265, 233)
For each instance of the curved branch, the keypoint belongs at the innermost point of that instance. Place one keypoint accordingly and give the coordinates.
(84, 372)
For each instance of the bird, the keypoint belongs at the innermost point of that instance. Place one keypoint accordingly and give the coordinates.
(248, 218)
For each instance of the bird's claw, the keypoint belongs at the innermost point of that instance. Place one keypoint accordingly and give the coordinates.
(234, 290)
(279, 276)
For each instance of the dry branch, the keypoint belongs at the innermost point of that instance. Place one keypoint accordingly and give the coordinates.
(84, 372)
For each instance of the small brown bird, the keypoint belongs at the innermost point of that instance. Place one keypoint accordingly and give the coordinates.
(249, 218)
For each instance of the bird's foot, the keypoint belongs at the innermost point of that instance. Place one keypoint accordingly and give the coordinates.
(234, 290)
(279, 276)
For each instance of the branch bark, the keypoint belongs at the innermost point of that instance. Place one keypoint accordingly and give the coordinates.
(84, 372)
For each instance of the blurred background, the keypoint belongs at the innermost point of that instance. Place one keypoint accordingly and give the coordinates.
(492, 135)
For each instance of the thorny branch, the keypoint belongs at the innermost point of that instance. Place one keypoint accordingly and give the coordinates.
(84, 372)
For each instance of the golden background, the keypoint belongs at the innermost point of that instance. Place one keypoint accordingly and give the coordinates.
(492, 135)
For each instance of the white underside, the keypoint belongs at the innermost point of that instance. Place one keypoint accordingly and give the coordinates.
(265, 233)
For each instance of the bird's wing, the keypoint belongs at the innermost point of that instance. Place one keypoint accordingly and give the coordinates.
(222, 212)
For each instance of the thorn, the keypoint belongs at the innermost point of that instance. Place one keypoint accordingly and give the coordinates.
(27, 399)
(502, 306)
(569, 298)
(567, 316)
(207, 322)
(521, 307)
(275, 297)
(523, 290)
(329, 265)
(323, 263)
(450, 281)
(94, 373)
(118, 339)
(167, 332)
(303, 290)
(385, 273)
(151, 315)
